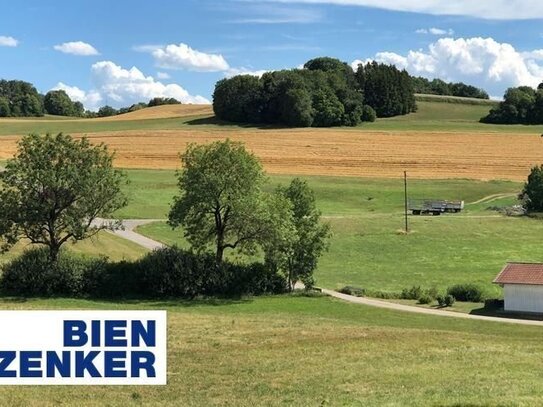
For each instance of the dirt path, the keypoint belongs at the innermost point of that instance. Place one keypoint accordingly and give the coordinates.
(426, 311)
(493, 197)
(128, 233)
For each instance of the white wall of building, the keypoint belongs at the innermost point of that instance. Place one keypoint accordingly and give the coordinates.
(523, 297)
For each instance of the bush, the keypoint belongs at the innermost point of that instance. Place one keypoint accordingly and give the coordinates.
(445, 300)
(368, 114)
(466, 292)
(32, 274)
(350, 290)
(163, 273)
(425, 299)
(413, 293)
(385, 295)
(432, 293)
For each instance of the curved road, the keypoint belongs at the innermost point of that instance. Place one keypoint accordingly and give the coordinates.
(127, 232)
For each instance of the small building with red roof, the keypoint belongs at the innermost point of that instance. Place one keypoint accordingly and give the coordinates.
(522, 287)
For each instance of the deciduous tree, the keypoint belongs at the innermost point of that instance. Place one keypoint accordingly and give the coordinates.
(55, 188)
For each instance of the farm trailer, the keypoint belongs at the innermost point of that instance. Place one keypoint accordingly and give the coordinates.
(434, 206)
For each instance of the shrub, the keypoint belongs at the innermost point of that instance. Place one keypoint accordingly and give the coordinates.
(368, 114)
(350, 290)
(466, 292)
(32, 274)
(425, 299)
(445, 300)
(168, 272)
(432, 293)
(113, 280)
(413, 293)
(385, 295)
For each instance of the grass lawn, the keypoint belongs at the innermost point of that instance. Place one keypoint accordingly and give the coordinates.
(367, 249)
(431, 116)
(103, 244)
(316, 351)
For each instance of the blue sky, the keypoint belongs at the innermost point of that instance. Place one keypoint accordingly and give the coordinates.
(181, 48)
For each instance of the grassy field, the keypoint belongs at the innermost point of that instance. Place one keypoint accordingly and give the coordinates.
(366, 215)
(432, 115)
(316, 351)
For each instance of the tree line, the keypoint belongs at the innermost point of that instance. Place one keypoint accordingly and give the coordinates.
(56, 187)
(21, 99)
(326, 92)
(440, 87)
(521, 105)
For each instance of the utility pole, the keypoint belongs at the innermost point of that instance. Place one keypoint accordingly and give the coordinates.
(405, 201)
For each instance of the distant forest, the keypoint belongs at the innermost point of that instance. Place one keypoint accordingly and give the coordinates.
(21, 99)
(522, 105)
(327, 92)
(439, 87)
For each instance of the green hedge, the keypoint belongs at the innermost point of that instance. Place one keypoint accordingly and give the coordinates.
(164, 273)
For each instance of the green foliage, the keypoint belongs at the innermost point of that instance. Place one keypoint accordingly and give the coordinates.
(368, 114)
(221, 200)
(54, 189)
(107, 111)
(296, 252)
(350, 290)
(22, 97)
(329, 110)
(386, 89)
(162, 101)
(466, 292)
(413, 293)
(522, 105)
(445, 300)
(238, 99)
(164, 273)
(5, 110)
(33, 274)
(439, 87)
(425, 299)
(325, 93)
(532, 193)
(57, 102)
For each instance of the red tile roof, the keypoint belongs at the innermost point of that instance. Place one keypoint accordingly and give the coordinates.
(521, 273)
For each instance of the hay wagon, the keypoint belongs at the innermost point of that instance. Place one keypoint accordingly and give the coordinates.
(434, 206)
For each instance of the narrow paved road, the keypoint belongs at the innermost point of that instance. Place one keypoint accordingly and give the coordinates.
(127, 232)
(428, 311)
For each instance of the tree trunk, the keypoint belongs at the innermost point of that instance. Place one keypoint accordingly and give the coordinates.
(219, 254)
(53, 252)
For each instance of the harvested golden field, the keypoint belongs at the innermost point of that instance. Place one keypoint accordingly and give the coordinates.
(339, 152)
(163, 112)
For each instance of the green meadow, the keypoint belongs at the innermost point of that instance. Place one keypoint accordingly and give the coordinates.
(300, 351)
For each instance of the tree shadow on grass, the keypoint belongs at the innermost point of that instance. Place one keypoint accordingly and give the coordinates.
(214, 121)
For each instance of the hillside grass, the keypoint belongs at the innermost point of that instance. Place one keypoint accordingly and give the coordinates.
(432, 116)
(368, 249)
(314, 351)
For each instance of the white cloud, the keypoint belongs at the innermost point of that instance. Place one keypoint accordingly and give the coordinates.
(163, 75)
(435, 31)
(118, 87)
(485, 9)
(244, 71)
(8, 41)
(91, 100)
(77, 48)
(483, 62)
(184, 57)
